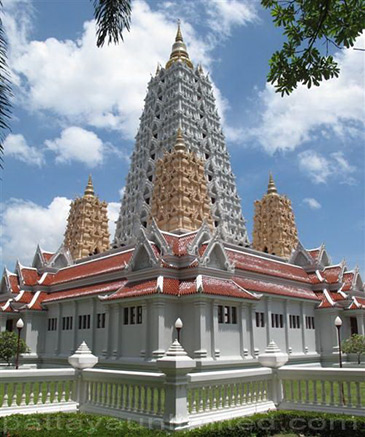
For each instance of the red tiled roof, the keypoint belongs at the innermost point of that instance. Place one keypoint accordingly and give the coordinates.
(325, 303)
(30, 276)
(258, 286)
(224, 287)
(332, 274)
(314, 278)
(47, 255)
(347, 279)
(179, 243)
(25, 298)
(14, 283)
(244, 261)
(210, 285)
(98, 266)
(134, 289)
(314, 253)
(105, 287)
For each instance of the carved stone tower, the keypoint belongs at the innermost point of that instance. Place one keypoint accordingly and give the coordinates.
(180, 200)
(180, 96)
(274, 231)
(87, 225)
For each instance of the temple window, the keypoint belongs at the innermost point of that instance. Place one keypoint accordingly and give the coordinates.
(260, 320)
(67, 323)
(84, 321)
(100, 320)
(277, 321)
(52, 324)
(309, 322)
(132, 315)
(227, 314)
(294, 321)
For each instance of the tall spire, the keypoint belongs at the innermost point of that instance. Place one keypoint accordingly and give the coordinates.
(274, 230)
(271, 189)
(180, 201)
(179, 51)
(87, 229)
(89, 190)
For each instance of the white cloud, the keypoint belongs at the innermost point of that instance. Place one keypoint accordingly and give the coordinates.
(319, 168)
(113, 213)
(336, 107)
(77, 144)
(17, 147)
(312, 203)
(102, 88)
(25, 224)
(224, 15)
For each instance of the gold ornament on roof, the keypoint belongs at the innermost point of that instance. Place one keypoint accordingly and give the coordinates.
(274, 231)
(179, 52)
(180, 201)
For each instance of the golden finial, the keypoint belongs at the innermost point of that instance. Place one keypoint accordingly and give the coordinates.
(271, 189)
(89, 190)
(178, 33)
(179, 51)
(180, 144)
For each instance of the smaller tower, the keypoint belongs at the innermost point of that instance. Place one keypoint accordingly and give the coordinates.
(87, 225)
(274, 231)
(180, 201)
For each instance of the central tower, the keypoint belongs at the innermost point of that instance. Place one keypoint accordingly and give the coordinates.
(180, 97)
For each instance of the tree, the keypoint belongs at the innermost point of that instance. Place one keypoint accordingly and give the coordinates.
(9, 346)
(355, 345)
(311, 26)
(112, 17)
(5, 89)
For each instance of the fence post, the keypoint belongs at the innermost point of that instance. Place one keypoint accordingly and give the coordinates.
(274, 358)
(176, 364)
(81, 359)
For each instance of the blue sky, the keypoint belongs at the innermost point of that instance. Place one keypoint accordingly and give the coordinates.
(76, 111)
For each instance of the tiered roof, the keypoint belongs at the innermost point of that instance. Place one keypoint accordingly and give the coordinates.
(182, 265)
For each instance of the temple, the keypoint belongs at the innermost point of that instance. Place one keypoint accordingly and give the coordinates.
(181, 250)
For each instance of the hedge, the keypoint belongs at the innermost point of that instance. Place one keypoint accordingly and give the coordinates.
(257, 425)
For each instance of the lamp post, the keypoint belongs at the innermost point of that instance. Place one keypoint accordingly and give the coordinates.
(19, 325)
(178, 326)
(338, 324)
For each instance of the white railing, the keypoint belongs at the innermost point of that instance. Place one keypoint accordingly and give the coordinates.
(323, 389)
(179, 399)
(227, 394)
(36, 390)
(133, 395)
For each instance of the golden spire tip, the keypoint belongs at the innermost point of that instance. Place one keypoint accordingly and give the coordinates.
(89, 190)
(271, 187)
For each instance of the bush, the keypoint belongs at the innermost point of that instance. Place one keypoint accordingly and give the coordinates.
(9, 346)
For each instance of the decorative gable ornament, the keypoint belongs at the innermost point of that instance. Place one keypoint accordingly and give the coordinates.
(143, 255)
(215, 256)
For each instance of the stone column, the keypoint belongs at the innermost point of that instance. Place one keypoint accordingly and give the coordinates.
(107, 332)
(143, 351)
(75, 324)
(268, 314)
(176, 365)
(286, 326)
(200, 329)
(360, 324)
(115, 323)
(304, 337)
(214, 331)
(158, 328)
(59, 329)
(252, 330)
(244, 330)
(93, 323)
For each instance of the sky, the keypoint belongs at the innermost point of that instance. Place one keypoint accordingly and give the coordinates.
(76, 111)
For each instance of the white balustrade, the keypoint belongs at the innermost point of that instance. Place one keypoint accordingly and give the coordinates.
(323, 389)
(125, 394)
(36, 390)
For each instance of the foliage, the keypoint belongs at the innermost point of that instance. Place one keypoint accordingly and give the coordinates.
(309, 26)
(282, 422)
(5, 88)
(112, 17)
(355, 345)
(9, 346)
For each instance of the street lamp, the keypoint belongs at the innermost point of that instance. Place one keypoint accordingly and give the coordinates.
(178, 326)
(19, 325)
(338, 324)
